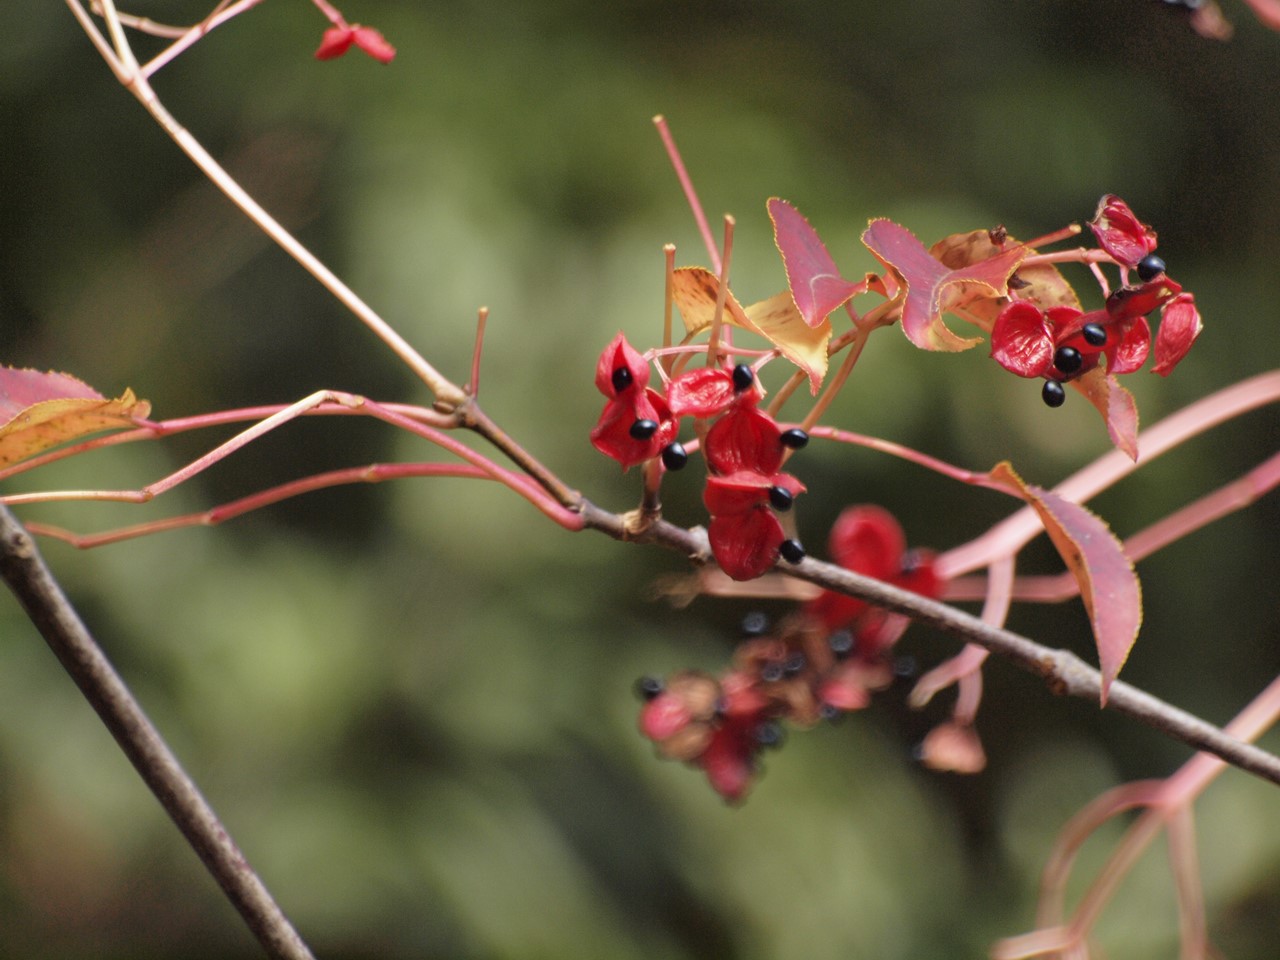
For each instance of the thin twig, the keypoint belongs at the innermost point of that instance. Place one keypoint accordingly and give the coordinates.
(40, 595)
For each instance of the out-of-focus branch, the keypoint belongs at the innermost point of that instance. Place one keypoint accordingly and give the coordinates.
(23, 569)
(1063, 671)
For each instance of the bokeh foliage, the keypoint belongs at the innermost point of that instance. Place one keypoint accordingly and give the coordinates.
(411, 702)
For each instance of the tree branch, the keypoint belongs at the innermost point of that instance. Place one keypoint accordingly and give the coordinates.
(1064, 672)
(23, 569)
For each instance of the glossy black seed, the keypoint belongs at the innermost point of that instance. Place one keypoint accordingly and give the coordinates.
(649, 687)
(781, 498)
(643, 429)
(770, 735)
(674, 456)
(1053, 394)
(794, 664)
(772, 671)
(742, 377)
(755, 624)
(1095, 335)
(795, 438)
(622, 379)
(1067, 359)
(1150, 267)
(911, 561)
(791, 550)
(830, 712)
(841, 643)
(905, 666)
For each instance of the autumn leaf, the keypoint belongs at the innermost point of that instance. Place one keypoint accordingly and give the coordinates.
(777, 319)
(1042, 283)
(932, 287)
(1109, 587)
(42, 410)
(1116, 404)
(815, 282)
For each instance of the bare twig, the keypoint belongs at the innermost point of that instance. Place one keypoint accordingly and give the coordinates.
(40, 595)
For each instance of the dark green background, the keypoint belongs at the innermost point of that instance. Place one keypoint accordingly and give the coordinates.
(411, 702)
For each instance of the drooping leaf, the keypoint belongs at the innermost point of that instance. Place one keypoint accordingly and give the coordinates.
(1109, 586)
(41, 410)
(932, 287)
(1117, 406)
(694, 290)
(1180, 324)
(816, 285)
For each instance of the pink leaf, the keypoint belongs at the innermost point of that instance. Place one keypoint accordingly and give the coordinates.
(932, 288)
(1109, 586)
(1117, 406)
(1179, 326)
(815, 282)
(41, 410)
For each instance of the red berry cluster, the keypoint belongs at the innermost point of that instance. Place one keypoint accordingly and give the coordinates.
(744, 450)
(1061, 342)
(822, 661)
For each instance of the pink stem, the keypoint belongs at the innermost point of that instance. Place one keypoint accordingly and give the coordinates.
(690, 194)
(374, 473)
(1012, 534)
(193, 35)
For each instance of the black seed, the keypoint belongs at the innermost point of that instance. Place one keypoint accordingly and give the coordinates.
(1095, 335)
(911, 561)
(771, 672)
(742, 377)
(755, 624)
(649, 687)
(830, 712)
(841, 643)
(1150, 267)
(1052, 393)
(673, 455)
(791, 550)
(795, 438)
(795, 663)
(1067, 359)
(622, 379)
(770, 735)
(643, 429)
(905, 666)
(781, 498)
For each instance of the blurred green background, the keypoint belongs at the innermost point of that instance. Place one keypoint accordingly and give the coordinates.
(411, 702)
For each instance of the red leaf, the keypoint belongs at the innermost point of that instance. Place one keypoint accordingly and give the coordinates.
(1120, 233)
(335, 42)
(745, 490)
(619, 355)
(1129, 352)
(1116, 405)
(374, 44)
(932, 287)
(745, 544)
(745, 438)
(1022, 340)
(1179, 326)
(41, 410)
(1109, 586)
(869, 540)
(701, 392)
(815, 282)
